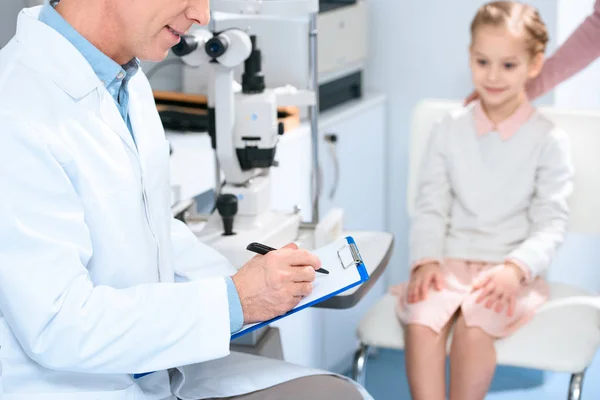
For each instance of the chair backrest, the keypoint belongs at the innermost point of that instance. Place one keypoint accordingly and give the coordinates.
(583, 128)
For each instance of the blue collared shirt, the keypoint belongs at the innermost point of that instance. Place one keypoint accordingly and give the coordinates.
(116, 78)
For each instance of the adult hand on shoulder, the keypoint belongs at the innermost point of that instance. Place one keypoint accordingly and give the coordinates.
(499, 288)
(470, 98)
(421, 279)
(273, 284)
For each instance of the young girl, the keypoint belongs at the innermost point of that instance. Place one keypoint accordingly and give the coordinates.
(491, 210)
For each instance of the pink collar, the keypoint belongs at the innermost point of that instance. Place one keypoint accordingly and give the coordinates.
(506, 128)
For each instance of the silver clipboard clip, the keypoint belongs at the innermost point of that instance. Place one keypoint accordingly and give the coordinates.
(348, 255)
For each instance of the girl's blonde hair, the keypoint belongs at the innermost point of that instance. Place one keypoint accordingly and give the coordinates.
(515, 16)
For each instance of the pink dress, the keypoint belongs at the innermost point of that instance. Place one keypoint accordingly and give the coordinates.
(439, 306)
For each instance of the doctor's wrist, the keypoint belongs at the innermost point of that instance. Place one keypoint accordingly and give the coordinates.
(236, 314)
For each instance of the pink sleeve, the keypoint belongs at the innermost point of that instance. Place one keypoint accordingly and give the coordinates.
(523, 267)
(576, 53)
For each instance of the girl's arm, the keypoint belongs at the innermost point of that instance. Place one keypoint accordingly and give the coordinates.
(548, 211)
(576, 53)
(432, 205)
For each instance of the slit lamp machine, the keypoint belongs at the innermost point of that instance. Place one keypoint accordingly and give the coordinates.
(244, 128)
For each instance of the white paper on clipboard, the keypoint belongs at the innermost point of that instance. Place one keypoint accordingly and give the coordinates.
(346, 270)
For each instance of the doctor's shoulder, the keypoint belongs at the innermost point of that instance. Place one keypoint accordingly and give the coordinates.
(28, 94)
(34, 102)
(31, 114)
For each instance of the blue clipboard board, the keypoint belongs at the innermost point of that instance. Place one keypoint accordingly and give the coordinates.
(346, 270)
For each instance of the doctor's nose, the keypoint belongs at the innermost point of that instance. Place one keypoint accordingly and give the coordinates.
(198, 11)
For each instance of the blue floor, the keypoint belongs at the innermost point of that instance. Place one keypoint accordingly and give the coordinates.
(386, 380)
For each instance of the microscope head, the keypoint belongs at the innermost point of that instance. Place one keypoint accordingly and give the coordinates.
(246, 130)
(228, 48)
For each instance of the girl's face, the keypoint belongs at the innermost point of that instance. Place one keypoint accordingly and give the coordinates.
(501, 65)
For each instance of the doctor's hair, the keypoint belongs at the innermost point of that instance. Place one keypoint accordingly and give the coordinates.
(517, 17)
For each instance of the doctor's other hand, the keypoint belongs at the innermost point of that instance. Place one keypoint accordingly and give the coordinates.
(273, 284)
(421, 279)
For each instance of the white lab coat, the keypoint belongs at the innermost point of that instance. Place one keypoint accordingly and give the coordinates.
(97, 281)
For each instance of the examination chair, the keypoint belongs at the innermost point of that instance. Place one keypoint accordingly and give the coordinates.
(561, 339)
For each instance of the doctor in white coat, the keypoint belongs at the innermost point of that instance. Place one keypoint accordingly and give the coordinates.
(99, 285)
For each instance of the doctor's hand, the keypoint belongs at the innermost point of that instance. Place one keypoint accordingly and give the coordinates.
(273, 284)
(472, 97)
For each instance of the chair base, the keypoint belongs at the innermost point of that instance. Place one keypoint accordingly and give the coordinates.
(575, 386)
(360, 363)
(361, 355)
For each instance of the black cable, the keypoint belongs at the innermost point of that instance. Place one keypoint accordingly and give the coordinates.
(332, 139)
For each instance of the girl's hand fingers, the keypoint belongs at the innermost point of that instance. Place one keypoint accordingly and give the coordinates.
(483, 281)
(500, 303)
(511, 306)
(487, 290)
(412, 291)
(425, 286)
(439, 281)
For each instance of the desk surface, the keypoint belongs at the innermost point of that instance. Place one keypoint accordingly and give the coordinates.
(376, 250)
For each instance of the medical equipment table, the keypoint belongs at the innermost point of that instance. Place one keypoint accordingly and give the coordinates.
(376, 251)
(322, 336)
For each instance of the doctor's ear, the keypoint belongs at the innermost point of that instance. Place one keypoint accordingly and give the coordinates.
(535, 65)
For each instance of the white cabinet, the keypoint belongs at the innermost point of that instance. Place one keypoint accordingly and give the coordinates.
(358, 186)
(319, 337)
(290, 180)
(360, 191)
(315, 337)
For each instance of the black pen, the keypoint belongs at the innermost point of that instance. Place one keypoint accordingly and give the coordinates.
(262, 249)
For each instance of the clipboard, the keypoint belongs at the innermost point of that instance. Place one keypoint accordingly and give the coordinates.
(346, 270)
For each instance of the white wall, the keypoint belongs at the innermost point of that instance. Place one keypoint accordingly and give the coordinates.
(8, 18)
(419, 50)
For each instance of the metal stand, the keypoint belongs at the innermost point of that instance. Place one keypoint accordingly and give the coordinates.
(313, 112)
(359, 364)
(576, 386)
